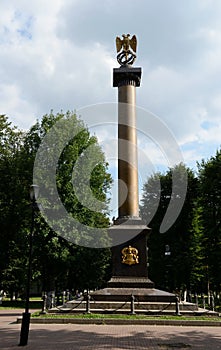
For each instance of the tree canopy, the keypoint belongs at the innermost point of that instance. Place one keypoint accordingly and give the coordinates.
(188, 255)
(170, 269)
(57, 262)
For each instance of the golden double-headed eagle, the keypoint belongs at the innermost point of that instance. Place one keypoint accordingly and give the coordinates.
(126, 43)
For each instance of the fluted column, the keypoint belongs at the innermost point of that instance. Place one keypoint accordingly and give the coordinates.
(127, 79)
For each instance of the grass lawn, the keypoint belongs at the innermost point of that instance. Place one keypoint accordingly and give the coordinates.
(126, 317)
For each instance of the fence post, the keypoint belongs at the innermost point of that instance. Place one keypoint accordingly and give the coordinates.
(88, 311)
(44, 305)
(132, 305)
(52, 299)
(177, 307)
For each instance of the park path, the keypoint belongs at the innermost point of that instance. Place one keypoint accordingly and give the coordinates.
(106, 337)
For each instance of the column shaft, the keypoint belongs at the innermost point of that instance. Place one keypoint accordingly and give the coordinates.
(127, 151)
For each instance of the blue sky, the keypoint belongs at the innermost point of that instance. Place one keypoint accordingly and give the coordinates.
(60, 55)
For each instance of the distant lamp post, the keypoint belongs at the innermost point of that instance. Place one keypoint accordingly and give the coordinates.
(34, 191)
(167, 250)
(167, 254)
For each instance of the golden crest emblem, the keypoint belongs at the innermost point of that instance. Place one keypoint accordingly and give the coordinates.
(130, 256)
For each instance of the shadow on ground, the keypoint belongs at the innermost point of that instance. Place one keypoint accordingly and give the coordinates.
(109, 337)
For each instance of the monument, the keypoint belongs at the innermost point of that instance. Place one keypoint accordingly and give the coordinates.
(129, 283)
(129, 257)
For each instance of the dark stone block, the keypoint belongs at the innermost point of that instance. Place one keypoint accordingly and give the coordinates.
(140, 294)
(133, 233)
(128, 280)
(126, 73)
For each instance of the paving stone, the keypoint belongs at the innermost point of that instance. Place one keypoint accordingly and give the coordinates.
(104, 337)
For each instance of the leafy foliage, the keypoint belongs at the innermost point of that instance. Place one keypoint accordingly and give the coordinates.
(169, 253)
(192, 258)
(187, 256)
(56, 263)
(210, 202)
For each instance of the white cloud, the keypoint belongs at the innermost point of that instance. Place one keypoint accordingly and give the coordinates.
(60, 56)
(47, 71)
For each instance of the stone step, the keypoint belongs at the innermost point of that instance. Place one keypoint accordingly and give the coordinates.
(127, 305)
(149, 312)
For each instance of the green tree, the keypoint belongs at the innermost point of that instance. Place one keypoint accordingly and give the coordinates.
(55, 260)
(169, 253)
(199, 269)
(13, 207)
(82, 154)
(210, 202)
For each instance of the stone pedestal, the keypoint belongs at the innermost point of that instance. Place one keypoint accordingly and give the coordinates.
(134, 272)
(130, 279)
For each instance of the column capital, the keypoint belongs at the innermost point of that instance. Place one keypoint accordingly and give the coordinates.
(126, 75)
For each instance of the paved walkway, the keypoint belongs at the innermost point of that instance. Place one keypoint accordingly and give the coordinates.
(104, 337)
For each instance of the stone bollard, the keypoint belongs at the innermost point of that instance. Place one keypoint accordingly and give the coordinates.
(177, 313)
(88, 298)
(44, 305)
(132, 310)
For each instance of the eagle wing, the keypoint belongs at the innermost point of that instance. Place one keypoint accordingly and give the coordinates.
(119, 43)
(133, 43)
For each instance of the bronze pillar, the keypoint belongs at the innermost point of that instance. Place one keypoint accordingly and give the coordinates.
(127, 156)
(127, 79)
